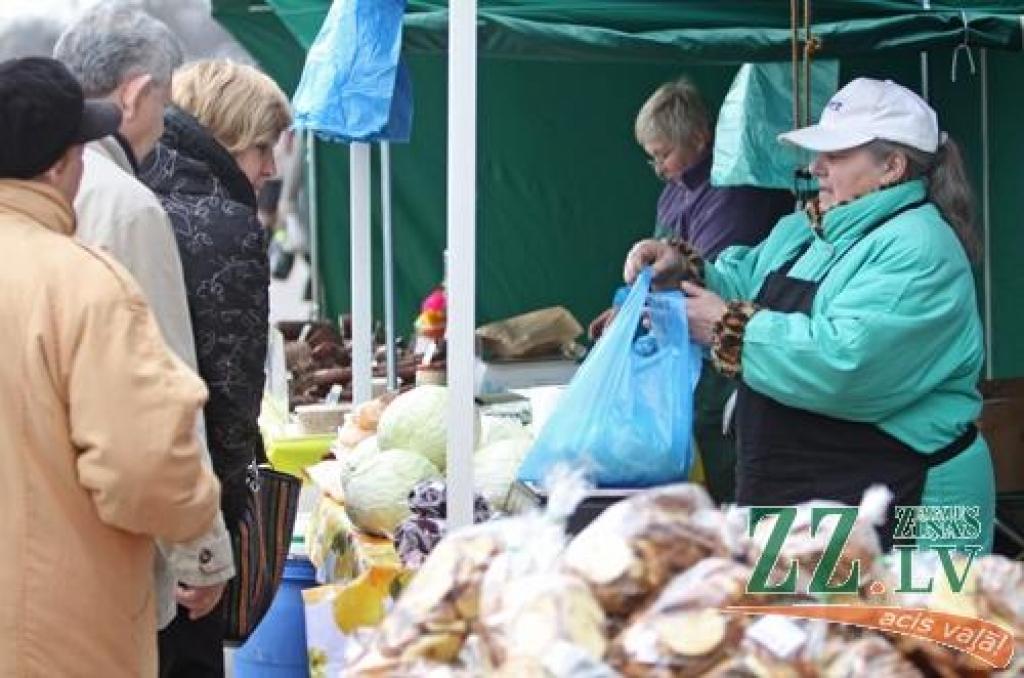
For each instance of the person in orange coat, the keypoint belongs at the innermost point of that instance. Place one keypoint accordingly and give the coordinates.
(98, 454)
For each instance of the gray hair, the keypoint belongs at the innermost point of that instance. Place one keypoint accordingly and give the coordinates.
(948, 187)
(115, 41)
(675, 114)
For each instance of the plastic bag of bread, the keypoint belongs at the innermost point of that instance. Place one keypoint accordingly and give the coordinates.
(559, 661)
(685, 632)
(1000, 591)
(814, 651)
(436, 612)
(775, 646)
(806, 547)
(440, 608)
(533, 612)
(542, 617)
(420, 669)
(637, 545)
(361, 423)
(871, 655)
(350, 434)
(993, 590)
(367, 415)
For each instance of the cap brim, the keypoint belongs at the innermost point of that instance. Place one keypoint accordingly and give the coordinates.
(825, 139)
(99, 119)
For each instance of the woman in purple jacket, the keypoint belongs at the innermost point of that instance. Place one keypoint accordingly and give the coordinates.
(675, 131)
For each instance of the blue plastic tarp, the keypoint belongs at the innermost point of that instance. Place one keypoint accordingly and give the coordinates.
(354, 86)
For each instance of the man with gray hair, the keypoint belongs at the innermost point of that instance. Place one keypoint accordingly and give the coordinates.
(122, 55)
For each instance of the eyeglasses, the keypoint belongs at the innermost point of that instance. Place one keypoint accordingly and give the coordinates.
(658, 161)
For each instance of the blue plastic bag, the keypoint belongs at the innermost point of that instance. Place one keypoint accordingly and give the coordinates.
(627, 415)
(353, 86)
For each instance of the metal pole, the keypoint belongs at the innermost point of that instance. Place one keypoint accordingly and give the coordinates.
(462, 59)
(362, 282)
(924, 77)
(314, 228)
(389, 264)
(986, 219)
(925, 5)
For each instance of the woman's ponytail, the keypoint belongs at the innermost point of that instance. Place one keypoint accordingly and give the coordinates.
(946, 179)
(949, 189)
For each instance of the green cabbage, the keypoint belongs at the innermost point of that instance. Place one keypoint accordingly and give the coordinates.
(493, 429)
(377, 490)
(417, 421)
(351, 460)
(495, 468)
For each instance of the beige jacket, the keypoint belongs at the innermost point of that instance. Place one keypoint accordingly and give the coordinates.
(117, 213)
(98, 454)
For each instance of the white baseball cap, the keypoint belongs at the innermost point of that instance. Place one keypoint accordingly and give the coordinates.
(866, 110)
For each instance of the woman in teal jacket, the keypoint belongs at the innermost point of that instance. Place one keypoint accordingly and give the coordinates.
(853, 329)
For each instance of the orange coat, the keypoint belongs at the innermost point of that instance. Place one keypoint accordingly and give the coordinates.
(98, 455)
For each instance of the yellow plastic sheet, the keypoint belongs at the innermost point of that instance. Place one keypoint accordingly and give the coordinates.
(340, 551)
(287, 451)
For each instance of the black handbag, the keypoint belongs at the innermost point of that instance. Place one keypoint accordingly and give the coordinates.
(260, 545)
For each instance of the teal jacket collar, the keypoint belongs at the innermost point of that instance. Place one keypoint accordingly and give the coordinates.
(853, 218)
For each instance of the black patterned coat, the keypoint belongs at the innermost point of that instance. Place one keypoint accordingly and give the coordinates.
(223, 251)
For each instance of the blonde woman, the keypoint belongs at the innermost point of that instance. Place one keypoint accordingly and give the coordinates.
(214, 156)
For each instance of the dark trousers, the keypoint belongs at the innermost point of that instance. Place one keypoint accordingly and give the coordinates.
(718, 452)
(193, 649)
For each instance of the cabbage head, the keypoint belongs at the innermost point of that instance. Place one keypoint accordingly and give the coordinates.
(493, 429)
(351, 460)
(377, 490)
(496, 467)
(417, 421)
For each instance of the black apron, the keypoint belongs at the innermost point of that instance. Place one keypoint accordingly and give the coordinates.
(788, 455)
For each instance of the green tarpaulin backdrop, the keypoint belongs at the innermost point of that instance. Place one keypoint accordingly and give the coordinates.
(564, 189)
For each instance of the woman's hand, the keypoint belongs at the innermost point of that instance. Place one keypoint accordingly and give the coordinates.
(601, 323)
(668, 264)
(703, 310)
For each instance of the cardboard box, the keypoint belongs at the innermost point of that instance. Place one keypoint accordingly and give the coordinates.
(1002, 424)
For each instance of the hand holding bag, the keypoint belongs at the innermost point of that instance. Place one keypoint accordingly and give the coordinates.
(627, 415)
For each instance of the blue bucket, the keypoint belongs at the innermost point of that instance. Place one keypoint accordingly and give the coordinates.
(277, 648)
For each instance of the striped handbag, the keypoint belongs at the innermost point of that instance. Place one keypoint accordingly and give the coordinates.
(261, 543)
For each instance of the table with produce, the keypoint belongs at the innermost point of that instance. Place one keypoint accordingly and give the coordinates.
(657, 583)
(382, 505)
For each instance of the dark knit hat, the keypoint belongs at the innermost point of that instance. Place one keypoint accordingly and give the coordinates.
(43, 112)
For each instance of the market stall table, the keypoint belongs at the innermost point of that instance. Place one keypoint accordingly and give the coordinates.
(287, 448)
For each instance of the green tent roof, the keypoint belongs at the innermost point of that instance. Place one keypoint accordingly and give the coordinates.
(550, 174)
(671, 30)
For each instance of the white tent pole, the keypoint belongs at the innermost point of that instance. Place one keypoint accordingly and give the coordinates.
(362, 282)
(389, 264)
(462, 60)
(314, 228)
(986, 220)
